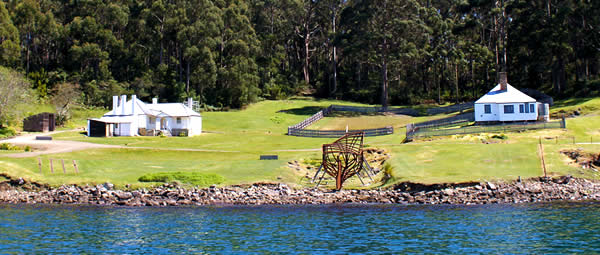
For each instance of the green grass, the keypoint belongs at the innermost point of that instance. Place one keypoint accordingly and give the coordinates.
(233, 142)
(362, 122)
(194, 178)
(125, 166)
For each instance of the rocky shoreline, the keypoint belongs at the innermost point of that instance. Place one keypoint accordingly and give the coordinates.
(566, 188)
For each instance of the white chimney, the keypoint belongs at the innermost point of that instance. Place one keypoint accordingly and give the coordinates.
(190, 102)
(123, 101)
(133, 99)
(115, 103)
(155, 100)
(503, 80)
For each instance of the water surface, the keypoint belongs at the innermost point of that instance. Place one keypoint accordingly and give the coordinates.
(349, 229)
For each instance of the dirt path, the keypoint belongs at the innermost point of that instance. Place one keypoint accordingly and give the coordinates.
(42, 147)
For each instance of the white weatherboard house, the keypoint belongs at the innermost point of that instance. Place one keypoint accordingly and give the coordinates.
(134, 117)
(506, 103)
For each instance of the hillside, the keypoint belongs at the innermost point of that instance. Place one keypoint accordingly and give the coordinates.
(233, 142)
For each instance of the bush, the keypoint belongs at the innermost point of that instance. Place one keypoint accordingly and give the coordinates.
(199, 179)
(7, 132)
(388, 174)
(9, 147)
(500, 136)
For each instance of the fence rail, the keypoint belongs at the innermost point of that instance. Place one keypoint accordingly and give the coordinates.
(415, 133)
(300, 128)
(461, 118)
(338, 133)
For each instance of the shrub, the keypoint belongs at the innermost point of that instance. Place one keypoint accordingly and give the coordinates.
(199, 179)
(7, 132)
(500, 136)
(9, 147)
(388, 174)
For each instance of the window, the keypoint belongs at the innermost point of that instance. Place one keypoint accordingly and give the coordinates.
(532, 108)
(526, 107)
(509, 108)
(178, 120)
(521, 108)
(487, 109)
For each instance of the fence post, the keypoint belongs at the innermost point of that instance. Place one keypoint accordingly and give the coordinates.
(63, 165)
(75, 166)
(40, 164)
(51, 166)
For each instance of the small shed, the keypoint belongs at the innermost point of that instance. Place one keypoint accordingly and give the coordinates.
(43, 122)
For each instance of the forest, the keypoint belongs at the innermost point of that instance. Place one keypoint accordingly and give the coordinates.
(229, 53)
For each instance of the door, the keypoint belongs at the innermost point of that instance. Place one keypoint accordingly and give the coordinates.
(163, 124)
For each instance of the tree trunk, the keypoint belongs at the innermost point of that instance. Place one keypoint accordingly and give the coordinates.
(306, 57)
(334, 57)
(456, 81)
(384, 83)
(187, 78)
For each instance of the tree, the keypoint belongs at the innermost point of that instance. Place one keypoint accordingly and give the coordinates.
(9, 39)
(387, 32)
(64, 95)
(14, 91)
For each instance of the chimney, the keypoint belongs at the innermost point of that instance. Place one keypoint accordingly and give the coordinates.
(115, 103)
(155, 100)
(123, 101)
(133, 99)
(502, 80)
(190, 102)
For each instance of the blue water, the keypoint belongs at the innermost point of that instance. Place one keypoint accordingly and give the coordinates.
(353, 229)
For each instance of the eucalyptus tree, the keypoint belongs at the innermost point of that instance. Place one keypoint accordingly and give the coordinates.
(9, 39)
(386, 31)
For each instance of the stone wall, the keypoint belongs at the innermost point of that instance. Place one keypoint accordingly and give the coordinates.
(533, 190)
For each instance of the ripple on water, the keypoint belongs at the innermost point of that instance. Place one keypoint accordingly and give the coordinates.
(358, 229)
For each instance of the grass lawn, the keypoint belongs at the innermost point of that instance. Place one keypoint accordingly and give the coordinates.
(234, 141)
(125, 166)
(362, 122)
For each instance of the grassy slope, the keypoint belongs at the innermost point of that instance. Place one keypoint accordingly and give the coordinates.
(260, 129)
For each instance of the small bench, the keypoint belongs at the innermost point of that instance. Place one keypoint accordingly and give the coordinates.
(46, 138)
(269, 157)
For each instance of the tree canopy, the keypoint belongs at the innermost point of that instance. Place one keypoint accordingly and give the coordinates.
(229, 53)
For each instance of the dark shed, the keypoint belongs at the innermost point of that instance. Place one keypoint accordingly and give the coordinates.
(43, 122)
(97, 128)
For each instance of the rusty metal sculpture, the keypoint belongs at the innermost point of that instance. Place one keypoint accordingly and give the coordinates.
(343, 158)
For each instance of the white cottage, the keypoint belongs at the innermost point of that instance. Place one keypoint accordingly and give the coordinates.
(134, 117)
(506, 103)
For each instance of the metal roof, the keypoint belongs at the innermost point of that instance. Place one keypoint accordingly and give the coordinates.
(159, 109)
(510, 95)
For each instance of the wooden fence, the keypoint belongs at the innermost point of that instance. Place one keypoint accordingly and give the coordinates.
(338, 133)
(416, 132)
(312, 119)
(299, 129)
(454, 120)
(367, 109)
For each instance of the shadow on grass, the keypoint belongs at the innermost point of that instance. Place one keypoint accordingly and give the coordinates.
(306, 110)
(570, 102)
(353, 114)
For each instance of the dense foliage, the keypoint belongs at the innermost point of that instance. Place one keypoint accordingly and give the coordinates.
(233, 52)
